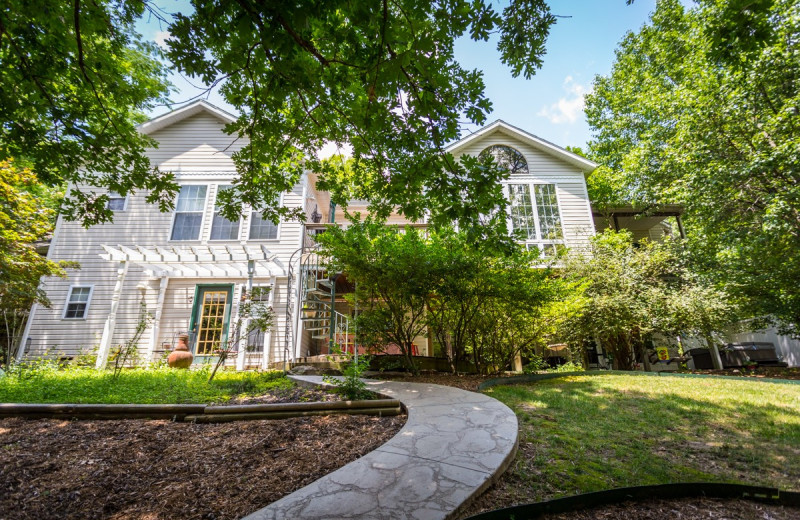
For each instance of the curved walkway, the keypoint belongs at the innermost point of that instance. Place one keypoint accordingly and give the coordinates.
(453, 446)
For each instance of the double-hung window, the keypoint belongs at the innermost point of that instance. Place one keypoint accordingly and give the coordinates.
(222, 228)
(77, 303)
(535, 214)
(189, 213)
(261, 228)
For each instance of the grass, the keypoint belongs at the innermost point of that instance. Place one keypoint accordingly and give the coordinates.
(588, 433)
(152, 386)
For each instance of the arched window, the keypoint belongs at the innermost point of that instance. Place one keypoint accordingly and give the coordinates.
(506, 157)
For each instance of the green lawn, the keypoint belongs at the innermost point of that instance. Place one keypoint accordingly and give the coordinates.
(592, 432)
(162, 385)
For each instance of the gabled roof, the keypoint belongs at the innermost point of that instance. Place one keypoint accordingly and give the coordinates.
(583, 164)
(170, 118)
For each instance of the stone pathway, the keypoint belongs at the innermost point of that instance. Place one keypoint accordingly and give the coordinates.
(453, 446)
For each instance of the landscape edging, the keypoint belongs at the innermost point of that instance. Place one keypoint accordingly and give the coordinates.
(199, 412)
(617, 495)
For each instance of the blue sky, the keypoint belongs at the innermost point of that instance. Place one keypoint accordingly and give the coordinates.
(550, 104)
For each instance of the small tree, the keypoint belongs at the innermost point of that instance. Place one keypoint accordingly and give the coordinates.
(635, 291)
(23, 221)
(393, 274)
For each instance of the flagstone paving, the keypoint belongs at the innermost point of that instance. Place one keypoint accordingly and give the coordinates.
(454, 444)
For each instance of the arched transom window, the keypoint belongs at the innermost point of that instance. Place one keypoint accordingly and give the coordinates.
(507, 158)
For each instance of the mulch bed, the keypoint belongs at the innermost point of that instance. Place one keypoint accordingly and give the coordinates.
(162, 470)
(695, 508)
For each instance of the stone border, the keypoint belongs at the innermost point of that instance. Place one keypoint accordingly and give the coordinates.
(200, 412)
(453, 446)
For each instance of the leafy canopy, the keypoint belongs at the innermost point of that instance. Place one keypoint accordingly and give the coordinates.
(74, 81)
(377, 77)
(631, 292)
(701, 108)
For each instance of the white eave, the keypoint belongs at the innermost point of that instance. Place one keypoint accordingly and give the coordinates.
(170, 118)
(228, 261)
(583, 164)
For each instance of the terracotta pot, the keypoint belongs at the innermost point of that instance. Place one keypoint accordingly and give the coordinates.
(181, 357)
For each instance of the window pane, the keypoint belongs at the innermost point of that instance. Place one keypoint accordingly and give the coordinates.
(187, 226)
(261, 229)
(522, 210)
(224, 229)
(547, 207)
(75, 310)
(78, 302)
(191, 198)
(116, 202)
(507, 158)
(80, 294)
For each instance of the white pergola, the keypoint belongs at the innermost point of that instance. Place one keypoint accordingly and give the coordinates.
(200, 261)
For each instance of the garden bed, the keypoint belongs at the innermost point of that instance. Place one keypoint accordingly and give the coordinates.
(125, 469)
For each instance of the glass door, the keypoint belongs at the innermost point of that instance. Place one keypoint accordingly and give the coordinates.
(210, 318)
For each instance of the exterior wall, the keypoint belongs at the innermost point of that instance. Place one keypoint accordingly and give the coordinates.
(197, 151)
(787, 348)
(573, 199)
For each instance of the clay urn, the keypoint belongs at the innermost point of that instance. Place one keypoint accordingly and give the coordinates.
(181, 357)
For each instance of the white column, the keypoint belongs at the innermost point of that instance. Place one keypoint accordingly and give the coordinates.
(156, 329)
(25, 333)
(245, 323)
(267, 350)
(111, 321)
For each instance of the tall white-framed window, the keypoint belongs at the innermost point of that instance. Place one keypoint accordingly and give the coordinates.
(189, 210)
(534, 212)
(116, 202)
(77, 304)
(222, 228)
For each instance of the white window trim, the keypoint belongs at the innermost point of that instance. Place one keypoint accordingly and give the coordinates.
(539, 241)
(242, 219)
(88, 302)
(124, 203)
(202, 220)
(249, 216)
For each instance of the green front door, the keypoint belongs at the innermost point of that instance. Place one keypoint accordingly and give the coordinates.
(210, 318)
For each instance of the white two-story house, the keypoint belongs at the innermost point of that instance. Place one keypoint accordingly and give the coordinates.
(189, 267)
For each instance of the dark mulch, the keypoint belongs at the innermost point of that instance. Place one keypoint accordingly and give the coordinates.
(689, 508)
(290, 395)
(163, 470)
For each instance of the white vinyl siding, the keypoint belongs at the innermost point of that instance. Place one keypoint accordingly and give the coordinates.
(222, 228)
(189, 213)
(569, 182)
(78, 299)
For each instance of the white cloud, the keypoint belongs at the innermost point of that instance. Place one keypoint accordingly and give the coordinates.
(161, 38)
(569, 107)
